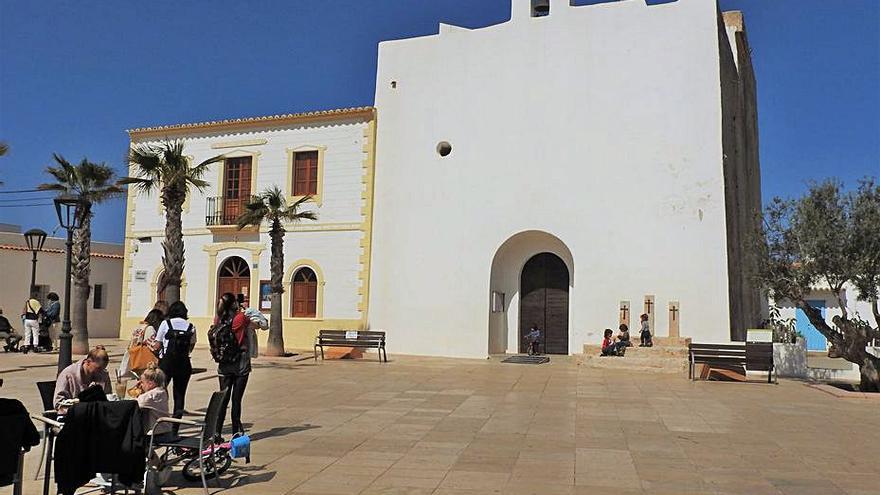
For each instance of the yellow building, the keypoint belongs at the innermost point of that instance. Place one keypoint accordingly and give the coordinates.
(327, 155)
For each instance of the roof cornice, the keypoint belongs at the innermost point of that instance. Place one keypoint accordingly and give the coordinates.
(250, 122)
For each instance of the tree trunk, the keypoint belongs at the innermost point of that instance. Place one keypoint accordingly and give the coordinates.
(172, 247)
(275, 345)
(848, 341)
(870, 374)
(80, 271)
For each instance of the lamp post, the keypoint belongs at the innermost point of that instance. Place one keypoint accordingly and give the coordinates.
(35, 238)
(67, 208)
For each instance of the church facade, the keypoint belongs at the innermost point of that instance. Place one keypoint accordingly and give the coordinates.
(569, 169)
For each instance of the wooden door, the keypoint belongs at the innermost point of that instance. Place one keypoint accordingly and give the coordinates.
(304, 296)
(544, 302)
(236, 187)
(235, 278)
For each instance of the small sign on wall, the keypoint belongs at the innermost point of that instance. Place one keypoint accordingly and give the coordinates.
(140, 275)
(759, 335)
(265, 295)
(497, 302)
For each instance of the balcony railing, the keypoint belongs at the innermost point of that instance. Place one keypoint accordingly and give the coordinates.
(220, 211)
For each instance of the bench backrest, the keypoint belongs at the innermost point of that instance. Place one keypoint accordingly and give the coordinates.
(759, 356)
(724, 351)
(362, 335)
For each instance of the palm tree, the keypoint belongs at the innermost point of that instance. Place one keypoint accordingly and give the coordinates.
(91, 183)
(163, 166)
(271, 207)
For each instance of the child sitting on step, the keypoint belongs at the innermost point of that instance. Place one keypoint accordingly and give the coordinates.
(611, 348)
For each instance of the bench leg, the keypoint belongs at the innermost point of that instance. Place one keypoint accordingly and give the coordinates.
(385, 353)
(315, 350)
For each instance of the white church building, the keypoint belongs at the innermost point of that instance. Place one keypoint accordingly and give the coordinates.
(570, 168)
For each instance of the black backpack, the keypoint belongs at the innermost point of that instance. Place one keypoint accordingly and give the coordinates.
(179, 341)
(224, 346)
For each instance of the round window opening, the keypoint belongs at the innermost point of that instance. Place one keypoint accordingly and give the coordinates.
(444, 148)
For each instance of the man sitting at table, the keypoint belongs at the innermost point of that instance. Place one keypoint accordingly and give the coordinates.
(88, 371)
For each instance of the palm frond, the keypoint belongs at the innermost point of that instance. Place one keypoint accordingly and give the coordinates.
(198, 183)
(144, 159)
(202, 168)
(296, 216)
(4, 148)
(251, 216)
(145, 186)
(52, 187)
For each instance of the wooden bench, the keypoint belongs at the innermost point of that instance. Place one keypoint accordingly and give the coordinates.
(731, 358)
(351, 338)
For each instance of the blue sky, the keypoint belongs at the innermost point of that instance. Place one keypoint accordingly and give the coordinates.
(75, 75)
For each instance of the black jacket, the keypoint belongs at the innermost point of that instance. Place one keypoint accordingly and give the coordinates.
(100, 437)
(17, 432)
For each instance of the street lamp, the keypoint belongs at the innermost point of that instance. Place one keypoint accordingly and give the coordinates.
(67, 208)
(35, 238)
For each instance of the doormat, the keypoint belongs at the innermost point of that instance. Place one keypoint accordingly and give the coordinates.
(527, 360)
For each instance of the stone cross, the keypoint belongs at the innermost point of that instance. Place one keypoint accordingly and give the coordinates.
(624, 313)
(674, 319)
(649, 310)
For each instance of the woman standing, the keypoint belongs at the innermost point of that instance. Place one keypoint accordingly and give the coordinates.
(234, 375)
(143, 335)
(31, 323)
(177, 337)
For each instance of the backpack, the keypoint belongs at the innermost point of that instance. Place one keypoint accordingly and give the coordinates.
(224, 346)
(179, 341)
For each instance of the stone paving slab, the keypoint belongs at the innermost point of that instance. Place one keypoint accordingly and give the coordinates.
(420, 425)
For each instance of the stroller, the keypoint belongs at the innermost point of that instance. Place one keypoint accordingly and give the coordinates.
(201, 456)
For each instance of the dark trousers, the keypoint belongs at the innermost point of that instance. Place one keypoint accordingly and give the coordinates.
(177, 371)
(235, 384)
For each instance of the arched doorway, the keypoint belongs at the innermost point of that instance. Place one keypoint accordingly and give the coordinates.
(234, 277)
(544, 286)
(304, 296)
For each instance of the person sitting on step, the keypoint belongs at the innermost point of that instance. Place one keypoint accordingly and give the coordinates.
(610, 347)
(623, 336)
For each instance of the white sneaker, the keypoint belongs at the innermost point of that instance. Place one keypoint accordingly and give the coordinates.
(99, 481)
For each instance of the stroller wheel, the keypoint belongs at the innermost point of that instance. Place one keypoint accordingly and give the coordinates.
(215, 464)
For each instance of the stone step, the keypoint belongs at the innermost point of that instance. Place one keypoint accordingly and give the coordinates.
(671, 341)
(656, 351)
(655, 364)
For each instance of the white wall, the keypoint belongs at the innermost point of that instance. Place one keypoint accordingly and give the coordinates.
(854, 307)
(106, 268)
(598, 124)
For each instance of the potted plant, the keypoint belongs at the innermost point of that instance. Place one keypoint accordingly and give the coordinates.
(789, 345)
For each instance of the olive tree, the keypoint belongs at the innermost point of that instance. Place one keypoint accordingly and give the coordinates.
(828, 238)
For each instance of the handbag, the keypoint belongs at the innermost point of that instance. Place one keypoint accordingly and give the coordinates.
(140, 356)
(240, 446)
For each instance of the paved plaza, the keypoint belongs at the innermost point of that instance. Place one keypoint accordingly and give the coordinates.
(451, 426)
